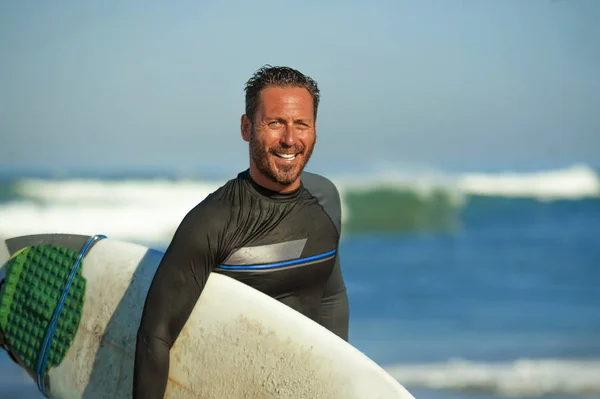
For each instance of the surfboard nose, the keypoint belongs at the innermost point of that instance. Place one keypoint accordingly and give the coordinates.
(4, 256)
(2, 271)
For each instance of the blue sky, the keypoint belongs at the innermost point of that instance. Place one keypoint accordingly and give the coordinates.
(468, 84)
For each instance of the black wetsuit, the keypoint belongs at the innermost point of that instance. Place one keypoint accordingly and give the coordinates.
(284, 245)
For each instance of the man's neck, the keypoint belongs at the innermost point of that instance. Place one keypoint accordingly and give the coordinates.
(269, 184)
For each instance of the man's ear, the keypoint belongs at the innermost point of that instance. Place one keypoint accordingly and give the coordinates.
(246, 128)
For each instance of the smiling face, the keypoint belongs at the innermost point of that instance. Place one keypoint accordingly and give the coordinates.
(281, 137)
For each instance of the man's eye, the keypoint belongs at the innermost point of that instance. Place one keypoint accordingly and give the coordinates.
(274, 123)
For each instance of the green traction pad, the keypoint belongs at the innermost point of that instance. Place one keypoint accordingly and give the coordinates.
(35, 279)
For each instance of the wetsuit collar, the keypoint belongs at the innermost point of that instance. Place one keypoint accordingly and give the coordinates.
(265, 192)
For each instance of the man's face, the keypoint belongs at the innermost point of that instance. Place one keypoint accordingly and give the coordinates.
(283, 134)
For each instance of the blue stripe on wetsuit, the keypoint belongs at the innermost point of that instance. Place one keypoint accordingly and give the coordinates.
(280, 264)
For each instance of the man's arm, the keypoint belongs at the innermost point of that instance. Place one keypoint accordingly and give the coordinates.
(175, 288)
(335, 313)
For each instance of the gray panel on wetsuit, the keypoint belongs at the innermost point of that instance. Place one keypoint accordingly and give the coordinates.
(269, 253)
(327, 194)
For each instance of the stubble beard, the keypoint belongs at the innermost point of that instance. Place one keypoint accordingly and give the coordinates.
(280, 174)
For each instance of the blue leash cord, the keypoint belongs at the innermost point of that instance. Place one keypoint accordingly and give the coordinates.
(45, 351)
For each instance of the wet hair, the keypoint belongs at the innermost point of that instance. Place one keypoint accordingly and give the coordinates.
(278, 76)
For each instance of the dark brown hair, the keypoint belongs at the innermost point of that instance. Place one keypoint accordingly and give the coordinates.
(278, 76)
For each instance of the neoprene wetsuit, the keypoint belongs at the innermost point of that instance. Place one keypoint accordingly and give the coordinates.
(284, 245)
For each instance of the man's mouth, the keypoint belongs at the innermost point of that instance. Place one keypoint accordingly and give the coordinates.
(287, 157)
(287, 154)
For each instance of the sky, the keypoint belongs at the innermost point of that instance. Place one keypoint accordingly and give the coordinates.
(463, 84)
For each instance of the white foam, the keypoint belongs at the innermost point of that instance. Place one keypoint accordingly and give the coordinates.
(138, 223)
(574, 182)
(577, 181)
(520, 378)
(128, 191)
(140, 211)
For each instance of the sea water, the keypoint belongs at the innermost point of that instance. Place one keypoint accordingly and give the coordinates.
(464, 286)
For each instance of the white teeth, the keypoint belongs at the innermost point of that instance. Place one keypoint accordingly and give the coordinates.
(286, 156)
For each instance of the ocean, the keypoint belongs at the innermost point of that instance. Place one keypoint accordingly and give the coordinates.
(461, 285)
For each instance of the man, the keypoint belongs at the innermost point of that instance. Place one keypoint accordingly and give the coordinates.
(272, 227)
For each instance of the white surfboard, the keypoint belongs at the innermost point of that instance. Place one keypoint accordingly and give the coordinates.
(237, 343)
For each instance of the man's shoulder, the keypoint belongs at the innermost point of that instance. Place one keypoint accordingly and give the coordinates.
(320, 186)
(325, 191)
(214, 208)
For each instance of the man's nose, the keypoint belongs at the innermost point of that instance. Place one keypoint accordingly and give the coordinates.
(289, 136)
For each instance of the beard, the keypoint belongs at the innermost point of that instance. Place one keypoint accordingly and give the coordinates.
(279, 173)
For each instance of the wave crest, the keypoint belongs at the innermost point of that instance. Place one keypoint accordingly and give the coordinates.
(520, 378)
(575, 182)
(149, 210)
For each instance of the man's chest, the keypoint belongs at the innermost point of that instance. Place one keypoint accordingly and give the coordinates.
(296, 253)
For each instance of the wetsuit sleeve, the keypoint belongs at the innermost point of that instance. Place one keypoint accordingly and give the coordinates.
(334, 312)
(175, 288)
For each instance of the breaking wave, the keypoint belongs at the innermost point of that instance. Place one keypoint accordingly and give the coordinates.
(520, 378)
(576, 182)
(149, 210)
